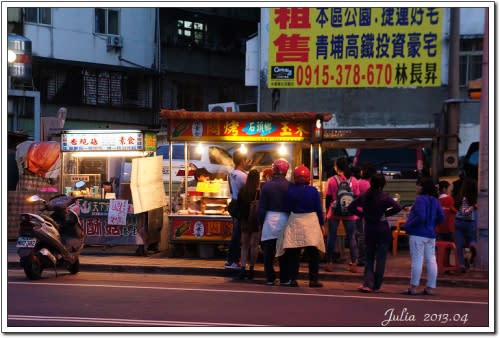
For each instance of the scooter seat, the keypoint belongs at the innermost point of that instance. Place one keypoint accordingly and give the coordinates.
(52, 222)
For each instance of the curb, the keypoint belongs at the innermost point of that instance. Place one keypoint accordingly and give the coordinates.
(219, 272)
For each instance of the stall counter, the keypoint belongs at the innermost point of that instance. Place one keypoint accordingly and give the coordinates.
(200, 228)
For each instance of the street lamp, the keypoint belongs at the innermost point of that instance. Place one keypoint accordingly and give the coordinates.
(11, 56)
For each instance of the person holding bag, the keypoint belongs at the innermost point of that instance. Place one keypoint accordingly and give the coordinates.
(332, 198)
(248, 199)
(236, 180)
(424, 215)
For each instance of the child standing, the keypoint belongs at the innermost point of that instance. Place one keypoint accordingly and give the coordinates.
(445, 230)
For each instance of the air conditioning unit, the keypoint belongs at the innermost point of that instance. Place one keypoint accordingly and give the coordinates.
(450, 160)
(115, 42)
(224, 106)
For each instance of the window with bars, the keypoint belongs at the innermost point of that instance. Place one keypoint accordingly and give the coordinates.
(107, 21)
(102, 88)
(471, 59)
(40, 16)
(190, 31)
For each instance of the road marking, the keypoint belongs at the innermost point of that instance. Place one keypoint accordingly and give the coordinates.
(267, 292)
(121, 321)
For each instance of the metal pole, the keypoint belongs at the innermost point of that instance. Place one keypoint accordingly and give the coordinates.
(453, 111)
(483, 172)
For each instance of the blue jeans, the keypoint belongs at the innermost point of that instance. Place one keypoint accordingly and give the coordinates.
(375, 258)
(350, 229)
(423, 249)
(465, 235)
(234, 252)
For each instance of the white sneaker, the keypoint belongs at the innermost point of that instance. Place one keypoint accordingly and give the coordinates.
(234, 266)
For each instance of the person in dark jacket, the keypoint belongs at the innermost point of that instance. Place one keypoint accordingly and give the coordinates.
(374, 206)
(273, 217)
(303, 230)
(424, 215)
(249, 225)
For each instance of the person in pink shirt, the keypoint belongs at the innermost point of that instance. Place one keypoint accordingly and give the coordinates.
(342, 174)
(366, 173)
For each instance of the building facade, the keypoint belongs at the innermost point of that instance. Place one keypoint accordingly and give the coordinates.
(93, 61)
(117, 67)
(390, 107)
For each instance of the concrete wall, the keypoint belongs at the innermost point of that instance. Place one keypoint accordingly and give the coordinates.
(72, 37)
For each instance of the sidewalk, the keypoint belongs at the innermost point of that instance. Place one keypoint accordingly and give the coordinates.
(123, 259)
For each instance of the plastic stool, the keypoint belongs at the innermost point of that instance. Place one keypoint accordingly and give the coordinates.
(443, 249)
(399, 231)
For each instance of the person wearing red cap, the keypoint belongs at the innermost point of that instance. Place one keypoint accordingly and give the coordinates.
(273, 217)
(303, 230)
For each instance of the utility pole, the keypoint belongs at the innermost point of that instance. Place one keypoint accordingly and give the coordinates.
(453, 112)
(483, 172)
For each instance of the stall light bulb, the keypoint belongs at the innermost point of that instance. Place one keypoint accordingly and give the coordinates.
(282, 150)
(243, 149)
(199, 149)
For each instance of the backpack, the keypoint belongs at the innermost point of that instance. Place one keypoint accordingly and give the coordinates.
(344, 197)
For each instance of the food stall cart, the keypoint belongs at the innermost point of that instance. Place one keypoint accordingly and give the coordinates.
(202, 216)
(98, 156)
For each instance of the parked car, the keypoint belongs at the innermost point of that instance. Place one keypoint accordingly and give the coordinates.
(393, 162)
(329, 156)
(262, 156)
(215, 158)
(471, 160)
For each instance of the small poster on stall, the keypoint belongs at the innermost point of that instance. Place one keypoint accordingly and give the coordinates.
(118, 212)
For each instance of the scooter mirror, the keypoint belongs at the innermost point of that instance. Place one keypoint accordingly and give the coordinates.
(34, 198)
(79, 184)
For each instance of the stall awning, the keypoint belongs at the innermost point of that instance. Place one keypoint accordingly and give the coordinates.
(380, 138)
(181, 114)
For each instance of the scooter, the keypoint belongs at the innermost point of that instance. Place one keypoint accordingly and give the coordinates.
(53, 238)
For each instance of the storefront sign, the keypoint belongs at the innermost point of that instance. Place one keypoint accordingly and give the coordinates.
(117, 214)
(238, 130)
(150, 141)
(99, 230)
(120, 141)
(98, 207)
(192, 228)
(355, 47)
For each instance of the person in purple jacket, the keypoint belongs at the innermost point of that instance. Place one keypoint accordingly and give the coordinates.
(425, 213)
(374, 206)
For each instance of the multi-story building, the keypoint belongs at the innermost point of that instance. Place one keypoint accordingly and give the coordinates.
(203, 56)
(116, 67)
(364, 106)
(99, 63)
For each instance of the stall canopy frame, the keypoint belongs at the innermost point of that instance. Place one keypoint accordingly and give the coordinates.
(182, 114)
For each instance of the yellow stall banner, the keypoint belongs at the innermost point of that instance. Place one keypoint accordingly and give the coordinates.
(355, 47)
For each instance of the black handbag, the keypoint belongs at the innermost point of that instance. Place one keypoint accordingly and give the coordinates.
(233, 208)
